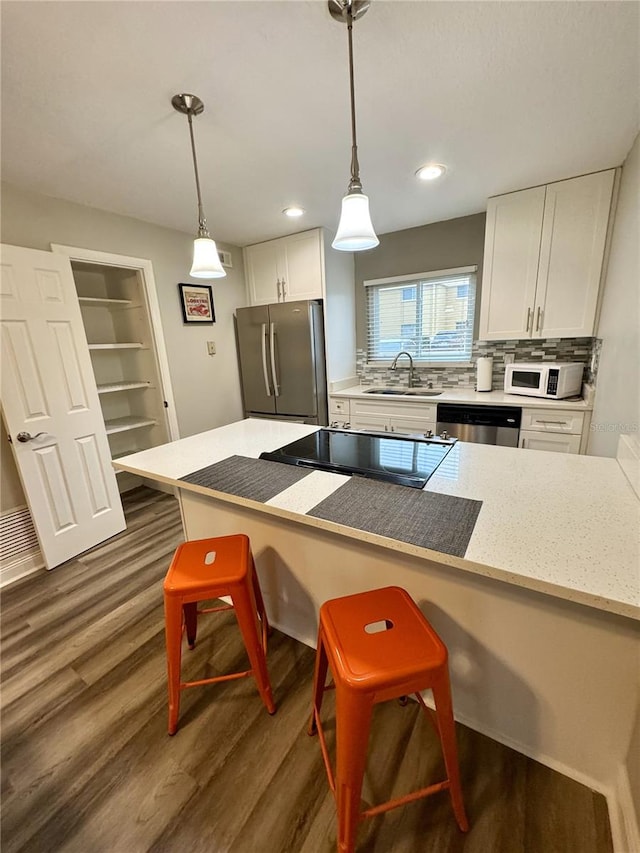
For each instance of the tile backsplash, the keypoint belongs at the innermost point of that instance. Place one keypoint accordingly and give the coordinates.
(586, 350)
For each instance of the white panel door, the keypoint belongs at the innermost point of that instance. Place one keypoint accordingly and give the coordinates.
(49, 393)
(510, 269)
(576, 215)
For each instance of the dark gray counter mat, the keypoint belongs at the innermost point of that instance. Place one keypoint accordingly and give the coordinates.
(255, 479)
(428, 519)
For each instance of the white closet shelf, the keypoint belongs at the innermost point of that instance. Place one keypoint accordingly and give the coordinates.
(115, 346)
(103, 300)
(121, 386)
(125, 424)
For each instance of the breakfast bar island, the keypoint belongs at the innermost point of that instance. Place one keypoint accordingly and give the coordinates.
(539, 606)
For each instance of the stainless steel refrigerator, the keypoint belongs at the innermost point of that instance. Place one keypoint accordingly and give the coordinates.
(282, 363)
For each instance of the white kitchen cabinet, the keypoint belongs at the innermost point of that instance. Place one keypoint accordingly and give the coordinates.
(558, 430)
(544, 249)
(552, 420)
(396, 417)
(286, 269)
(339, 413)
(557, 443)
(265, 265)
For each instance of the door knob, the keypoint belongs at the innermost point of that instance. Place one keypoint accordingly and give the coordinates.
(26, 436)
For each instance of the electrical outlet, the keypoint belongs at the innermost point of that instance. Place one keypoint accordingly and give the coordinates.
(211, 347)
(509, 358)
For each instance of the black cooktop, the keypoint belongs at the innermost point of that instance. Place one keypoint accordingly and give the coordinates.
(395, 459)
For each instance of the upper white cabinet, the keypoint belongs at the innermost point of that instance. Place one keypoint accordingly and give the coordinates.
(543, 256)
(286, 269)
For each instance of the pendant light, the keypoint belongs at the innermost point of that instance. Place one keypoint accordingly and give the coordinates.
(206, 260)
(355, 231)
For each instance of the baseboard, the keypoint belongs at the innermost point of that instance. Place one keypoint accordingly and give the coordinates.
(622, 815)
(623, 818)
(542, 758)
(26, 564)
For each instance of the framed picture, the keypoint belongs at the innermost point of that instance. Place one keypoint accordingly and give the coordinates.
(197, 303)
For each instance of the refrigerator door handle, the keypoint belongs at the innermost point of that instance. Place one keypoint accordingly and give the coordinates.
(264, 359)
(274, 375)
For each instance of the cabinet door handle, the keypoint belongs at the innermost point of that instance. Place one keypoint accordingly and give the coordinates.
(528, 319)
(559, 423)
(278, 290)
(284, 290)
(539, 319)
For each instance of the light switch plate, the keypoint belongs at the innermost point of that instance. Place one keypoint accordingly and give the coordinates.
(211, 347)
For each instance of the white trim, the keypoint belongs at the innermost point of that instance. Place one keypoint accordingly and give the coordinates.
(26, 564)
(145, 267)
(625, 831)
(419, 276)
(623, 820)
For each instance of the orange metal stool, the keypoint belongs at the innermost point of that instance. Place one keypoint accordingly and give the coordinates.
(379, 646)
(210, 568)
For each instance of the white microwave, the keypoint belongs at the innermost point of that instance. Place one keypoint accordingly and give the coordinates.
(552, 379)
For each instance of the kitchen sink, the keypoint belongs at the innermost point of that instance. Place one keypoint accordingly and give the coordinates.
(402, 392)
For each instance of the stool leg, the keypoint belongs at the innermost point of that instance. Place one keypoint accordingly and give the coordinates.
(319, 679)
(262, 612)
(444, 712)
(353, 720)
(173, 641)
(191, 622)
(245, 607)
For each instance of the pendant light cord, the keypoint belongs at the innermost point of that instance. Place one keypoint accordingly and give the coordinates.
(202, 221)
(355, 185)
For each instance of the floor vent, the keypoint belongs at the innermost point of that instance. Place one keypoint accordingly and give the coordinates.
(19, 550)
(16, 533)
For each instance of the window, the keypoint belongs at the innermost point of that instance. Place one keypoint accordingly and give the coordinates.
(434, 324)
(408, 293)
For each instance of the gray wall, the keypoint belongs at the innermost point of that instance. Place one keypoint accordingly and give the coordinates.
(206, 388)
(439, 246)
(617, 403)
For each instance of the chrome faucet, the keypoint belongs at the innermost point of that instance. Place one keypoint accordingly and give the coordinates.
(394, 364)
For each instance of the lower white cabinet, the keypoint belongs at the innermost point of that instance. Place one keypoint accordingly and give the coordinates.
(339, 412)
(395, 417)
(531, 440)
(557, 430)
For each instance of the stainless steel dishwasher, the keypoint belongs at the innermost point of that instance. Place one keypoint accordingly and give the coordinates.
(480, 424)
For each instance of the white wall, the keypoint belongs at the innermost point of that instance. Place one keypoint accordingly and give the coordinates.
(617, 403)
(206, 388)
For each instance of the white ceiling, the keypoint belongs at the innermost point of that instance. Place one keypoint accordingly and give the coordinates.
(506, 94)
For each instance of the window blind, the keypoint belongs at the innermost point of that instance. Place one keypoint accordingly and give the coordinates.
(429, 315)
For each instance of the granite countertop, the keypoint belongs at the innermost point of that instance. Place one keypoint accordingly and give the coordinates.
(467, 395)
(561, 524)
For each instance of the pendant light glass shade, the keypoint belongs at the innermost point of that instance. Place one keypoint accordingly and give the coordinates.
(355, 230)
(206, 260)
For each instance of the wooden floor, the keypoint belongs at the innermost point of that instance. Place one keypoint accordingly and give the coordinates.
(88, 767)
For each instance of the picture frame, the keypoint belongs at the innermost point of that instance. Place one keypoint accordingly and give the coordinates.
(196, 301)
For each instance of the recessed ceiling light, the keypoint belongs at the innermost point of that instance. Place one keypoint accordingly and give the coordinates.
(293, 211)
(431, 171)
